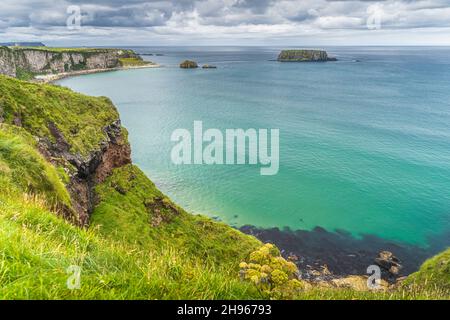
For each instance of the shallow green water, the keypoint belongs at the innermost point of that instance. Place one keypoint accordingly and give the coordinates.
(364, 142)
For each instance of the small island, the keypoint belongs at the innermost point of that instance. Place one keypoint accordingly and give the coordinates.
(209, 66)
(188, 64)
(304, 56)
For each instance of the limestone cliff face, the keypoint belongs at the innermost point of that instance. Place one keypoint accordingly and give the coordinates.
(7, 65)
(47, 61)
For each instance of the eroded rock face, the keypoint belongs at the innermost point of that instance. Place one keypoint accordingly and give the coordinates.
(114, 152)
(304, 56)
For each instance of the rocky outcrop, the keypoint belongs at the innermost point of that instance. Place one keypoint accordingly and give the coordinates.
(16, 60)
(389, 262)
(304, 56)
(209, 66)
(188, 64)
(114, 152)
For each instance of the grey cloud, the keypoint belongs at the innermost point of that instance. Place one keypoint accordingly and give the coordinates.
(255, 6)
(231, 17)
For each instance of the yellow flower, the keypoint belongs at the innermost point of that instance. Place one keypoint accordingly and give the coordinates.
(279, 277)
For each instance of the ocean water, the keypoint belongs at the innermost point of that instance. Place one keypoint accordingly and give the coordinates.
(364, 142)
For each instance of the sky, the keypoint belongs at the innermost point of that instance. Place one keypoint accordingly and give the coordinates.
(226, 22)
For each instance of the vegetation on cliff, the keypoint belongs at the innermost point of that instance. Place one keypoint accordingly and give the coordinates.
(80, 119)
(133, 210)
(433, 276)
(24, 170)
(37, 248)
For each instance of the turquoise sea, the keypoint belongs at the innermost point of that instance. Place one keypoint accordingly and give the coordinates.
(364, 142)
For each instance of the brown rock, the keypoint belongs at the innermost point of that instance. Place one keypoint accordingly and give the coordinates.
(389, 262)
(188, 64)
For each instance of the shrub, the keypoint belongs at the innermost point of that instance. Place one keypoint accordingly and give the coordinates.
(273, 276)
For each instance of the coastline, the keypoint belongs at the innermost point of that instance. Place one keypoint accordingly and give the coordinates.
(50, 78)
(341, 253)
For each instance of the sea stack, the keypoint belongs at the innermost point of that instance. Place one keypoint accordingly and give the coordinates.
(188, 64)
(304, 56)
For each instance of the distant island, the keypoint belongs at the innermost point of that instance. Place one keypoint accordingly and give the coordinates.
(22, 44)
(188, 64)
(304, 56)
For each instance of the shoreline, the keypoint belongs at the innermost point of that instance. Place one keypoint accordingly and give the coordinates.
(50, 78)
(340, 253)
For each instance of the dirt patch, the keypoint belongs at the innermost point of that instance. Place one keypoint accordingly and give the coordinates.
(161, 210)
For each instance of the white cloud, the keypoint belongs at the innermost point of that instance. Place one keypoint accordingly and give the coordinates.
(227, 21)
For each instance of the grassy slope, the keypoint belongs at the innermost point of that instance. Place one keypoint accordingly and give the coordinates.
(80, 118)
(433, 277)
(38, 247)
(23, 169)
(133, 210)
(140, 245)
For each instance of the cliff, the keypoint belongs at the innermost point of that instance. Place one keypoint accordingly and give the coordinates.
(27, 62)
(86, 140)
(65, 154)
(304, 56)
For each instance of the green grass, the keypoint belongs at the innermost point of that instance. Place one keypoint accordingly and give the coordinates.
(134, 211)
(38, 248)
(24, 169)
(80, 118)
(133, 62)
(23, 74)
(432, 278)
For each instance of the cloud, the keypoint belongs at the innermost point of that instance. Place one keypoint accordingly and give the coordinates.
(261, 20)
